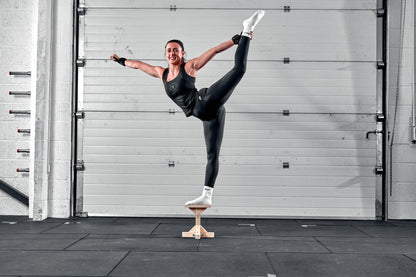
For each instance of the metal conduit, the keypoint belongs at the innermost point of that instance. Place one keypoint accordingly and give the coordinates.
(14, 193)
(413, 127)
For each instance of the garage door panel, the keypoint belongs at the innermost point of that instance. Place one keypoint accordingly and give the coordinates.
(230, 201)
(259, 190)
(319, 35)
(191, 183)
(232, 4)
(267, 87)
(230, 169)
(309, 158)
(266, 212)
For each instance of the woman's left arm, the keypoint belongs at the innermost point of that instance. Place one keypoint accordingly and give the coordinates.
(197, 63)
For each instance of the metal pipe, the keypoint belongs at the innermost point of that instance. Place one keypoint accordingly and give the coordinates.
(414, 78)
(74, 108)
(20, 73)
(19, 93)
(22, 198)
(19, 112)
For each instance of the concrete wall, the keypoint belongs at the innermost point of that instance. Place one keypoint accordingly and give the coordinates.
(402, 188)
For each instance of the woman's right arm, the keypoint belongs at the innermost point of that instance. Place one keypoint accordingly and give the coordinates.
(155, 71)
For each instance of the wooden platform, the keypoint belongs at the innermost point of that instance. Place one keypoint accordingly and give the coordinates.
(198, 231)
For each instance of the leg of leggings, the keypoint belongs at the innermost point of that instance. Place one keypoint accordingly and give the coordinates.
(220, 91)
(213, 132)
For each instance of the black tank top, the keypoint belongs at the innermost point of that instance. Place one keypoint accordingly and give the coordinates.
(181, 90)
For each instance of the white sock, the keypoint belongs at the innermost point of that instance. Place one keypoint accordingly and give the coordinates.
(204, 199)
(251, 22)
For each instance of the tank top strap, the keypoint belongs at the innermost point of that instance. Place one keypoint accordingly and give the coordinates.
(183, 71)
(165, 75)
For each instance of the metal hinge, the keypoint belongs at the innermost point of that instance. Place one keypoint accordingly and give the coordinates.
(286, 112)
(171, 163)
(82, 10)
(172, 111)
(80, 62)
(378, 170)
(286, 9)
(381, 12)
(79, 166)
(286, 60)
(173, 8)
(80, 115)
(286, 165)
(381, 65)
(380, 117)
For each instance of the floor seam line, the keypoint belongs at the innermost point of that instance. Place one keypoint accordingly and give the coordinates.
(271, 264)
(154, 229)
(323, 245)
(410, 258)
(122, 259)
(75, 242)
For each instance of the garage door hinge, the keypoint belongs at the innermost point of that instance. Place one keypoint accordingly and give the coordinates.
(82, 10)
(80, 115)
(378, 170)
(173, 8)
(286, 112)
(286, 9)
(380, 117)
(381, 65)
(171, 163)
(79, 166)
(381, 12)
(286, 60)
(172, 111)
(80, 62)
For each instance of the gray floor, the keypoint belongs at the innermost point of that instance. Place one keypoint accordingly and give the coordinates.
(249, 247)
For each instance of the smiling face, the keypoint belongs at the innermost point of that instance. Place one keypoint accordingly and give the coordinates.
(174, 53)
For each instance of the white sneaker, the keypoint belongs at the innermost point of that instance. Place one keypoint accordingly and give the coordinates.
(204, 199)
(252, 21)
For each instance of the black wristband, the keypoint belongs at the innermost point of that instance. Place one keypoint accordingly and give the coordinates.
(121, 61)
(236, 39)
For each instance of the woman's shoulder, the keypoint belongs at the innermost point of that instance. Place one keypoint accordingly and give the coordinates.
(187, 68)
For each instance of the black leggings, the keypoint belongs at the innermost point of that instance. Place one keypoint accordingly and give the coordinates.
(209, 108)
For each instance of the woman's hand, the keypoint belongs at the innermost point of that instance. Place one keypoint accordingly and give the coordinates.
(121, 61)
(114, 57)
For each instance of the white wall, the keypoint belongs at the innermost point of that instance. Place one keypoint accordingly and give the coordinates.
(23, 30)
(402, 189)
(61, 97)
(15, 51)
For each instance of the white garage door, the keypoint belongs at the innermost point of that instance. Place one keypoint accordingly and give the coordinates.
(295, 140)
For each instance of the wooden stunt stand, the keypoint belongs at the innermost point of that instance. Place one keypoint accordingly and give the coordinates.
(198, 231)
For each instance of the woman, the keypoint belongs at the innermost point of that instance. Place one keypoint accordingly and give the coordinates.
(207, 103)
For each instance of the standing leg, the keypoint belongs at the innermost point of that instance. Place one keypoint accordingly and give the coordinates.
(213, 133)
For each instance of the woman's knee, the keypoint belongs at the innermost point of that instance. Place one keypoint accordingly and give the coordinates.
(240, 69)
